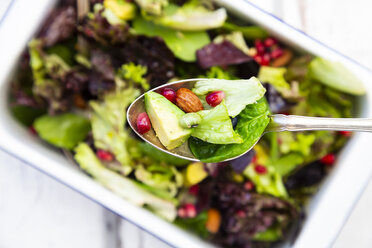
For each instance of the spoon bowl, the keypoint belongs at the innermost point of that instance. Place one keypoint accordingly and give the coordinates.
(278, 123)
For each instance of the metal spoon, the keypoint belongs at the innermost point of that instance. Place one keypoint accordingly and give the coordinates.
(278, 123)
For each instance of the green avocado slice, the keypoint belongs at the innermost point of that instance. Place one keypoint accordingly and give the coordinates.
(164, 117)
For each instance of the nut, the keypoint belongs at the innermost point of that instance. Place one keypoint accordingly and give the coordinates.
(282, 60)
(188, 101)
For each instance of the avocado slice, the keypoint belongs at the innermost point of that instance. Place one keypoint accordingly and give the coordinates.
(165, 117)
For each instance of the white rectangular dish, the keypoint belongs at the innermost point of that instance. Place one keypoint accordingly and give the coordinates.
(327, 210)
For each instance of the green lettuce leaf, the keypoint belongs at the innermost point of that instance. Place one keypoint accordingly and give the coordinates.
(108, 125)
(183, 44)
(152, 7)
(235, 38)
(335, 75)
(252, 122)
(134, 74)
(238, 93)
(215, 126)
(64, 131)
(191, 17)
(162, 177)
(122, 186)
(269, 183)
(274, 76)
(249, 32)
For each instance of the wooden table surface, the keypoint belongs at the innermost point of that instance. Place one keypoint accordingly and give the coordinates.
(37, 212)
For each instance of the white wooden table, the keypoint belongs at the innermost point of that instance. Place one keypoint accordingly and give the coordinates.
(37, 212)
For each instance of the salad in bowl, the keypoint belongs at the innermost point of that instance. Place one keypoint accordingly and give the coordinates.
(78, 76)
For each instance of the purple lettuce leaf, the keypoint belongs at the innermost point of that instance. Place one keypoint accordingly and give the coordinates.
(221, 54)
(59, 26)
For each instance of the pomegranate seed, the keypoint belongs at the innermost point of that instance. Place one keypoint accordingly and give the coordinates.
(190, 210)
(32, 130)
(249, 185)
(258, 58)
(265, 59)
(270, 42)
(143, 123)
(181, 212)
(215, 98)
(241, 213)
(170, 94)
(276, 53)
(328, 159)
(104, 155)
(254, 159)
(345, 133)
(260, 169)
(193, 190)
(259, 47)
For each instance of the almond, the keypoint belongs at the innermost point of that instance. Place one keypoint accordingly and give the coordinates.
(188, 101)
(282, 60)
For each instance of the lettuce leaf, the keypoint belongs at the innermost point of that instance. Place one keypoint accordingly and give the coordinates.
(153, 7)
(122, 186)
(134, 74)
(64, 131)
(335, 75)
(162, 177)
(108, 125)
(269, 183)
(249, 32)
(215, 126)
(238, 93)
(191, 17)
(183, 44)
(252, 122)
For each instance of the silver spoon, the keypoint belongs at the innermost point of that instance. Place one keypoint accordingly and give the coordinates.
(278, 123)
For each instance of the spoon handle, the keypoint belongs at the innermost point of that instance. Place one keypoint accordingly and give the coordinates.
(281, 123)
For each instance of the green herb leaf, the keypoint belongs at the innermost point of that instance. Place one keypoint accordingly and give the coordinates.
(249, 32)
(65, 130)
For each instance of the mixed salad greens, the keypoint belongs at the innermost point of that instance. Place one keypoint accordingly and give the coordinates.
(77, 78)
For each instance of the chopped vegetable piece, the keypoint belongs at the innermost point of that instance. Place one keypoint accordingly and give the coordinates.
(195, 173)
(214, 220)
(164, 117)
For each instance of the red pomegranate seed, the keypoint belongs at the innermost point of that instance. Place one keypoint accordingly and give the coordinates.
(249, 185)
(170, 94)
(259, 47)
(270, 42)
(104, 155)
(143, 123)
(265, 59)
(241, 213)
(276, 53)
(346, 133)
(328, 159)
(254, 159)
(181, 212)
(260, 169)
(32, 130)
(190, 210)
(215, 98)
(258, 58)
(193, 190)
